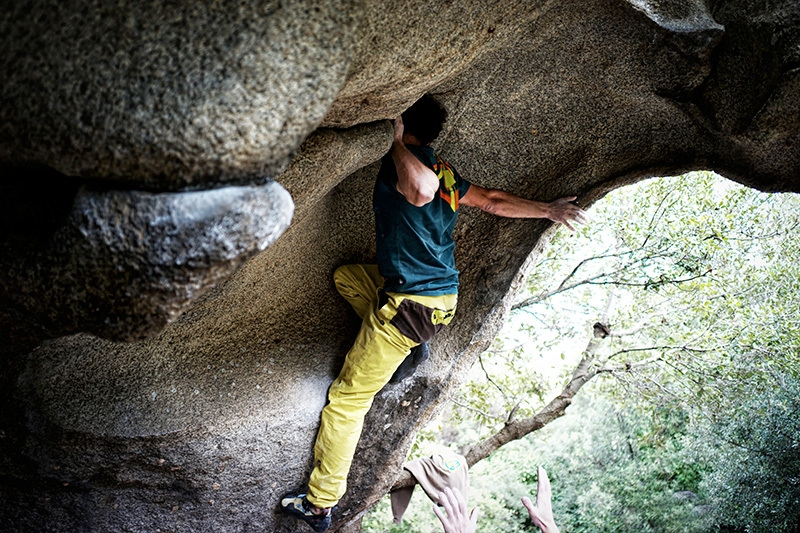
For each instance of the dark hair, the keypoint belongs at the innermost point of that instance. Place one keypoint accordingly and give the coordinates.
(425, 119)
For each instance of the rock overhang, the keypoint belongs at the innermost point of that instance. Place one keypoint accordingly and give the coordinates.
(563, 97)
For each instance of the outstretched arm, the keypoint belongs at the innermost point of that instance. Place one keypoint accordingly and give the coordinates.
(505, 204)
(415, 180)
(542, 512)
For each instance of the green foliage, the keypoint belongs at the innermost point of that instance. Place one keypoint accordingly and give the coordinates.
(756, 481)
(706, 289)
(493, 393)
(693, 424)
(610, 470)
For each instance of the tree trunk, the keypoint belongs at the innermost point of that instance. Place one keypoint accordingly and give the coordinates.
(517, 429)
(514, 430)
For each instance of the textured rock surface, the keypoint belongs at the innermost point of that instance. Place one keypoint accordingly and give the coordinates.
(408, 47)
(203, 425)
(126, 263)
(168, 94)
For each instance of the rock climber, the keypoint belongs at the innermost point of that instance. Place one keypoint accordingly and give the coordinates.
(408, 297)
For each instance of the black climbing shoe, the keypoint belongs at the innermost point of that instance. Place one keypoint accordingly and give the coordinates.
(409, 365)
(299, 507)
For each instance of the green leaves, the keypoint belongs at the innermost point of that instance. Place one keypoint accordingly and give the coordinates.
(693, 423)
(697, 280)
(755, 483)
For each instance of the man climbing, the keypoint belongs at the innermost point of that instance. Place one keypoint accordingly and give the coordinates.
(408, 296)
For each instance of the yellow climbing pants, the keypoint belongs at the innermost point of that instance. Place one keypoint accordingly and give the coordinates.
(392, 324)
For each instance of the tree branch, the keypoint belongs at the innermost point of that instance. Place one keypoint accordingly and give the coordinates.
(489, 377)
(514, 430)
(627, 367)
(475, 410)
(594, 281)
(651, 283)
(555, 409)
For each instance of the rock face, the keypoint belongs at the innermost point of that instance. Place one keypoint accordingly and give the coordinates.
(167, 94)
(125, 263)
(169, 336)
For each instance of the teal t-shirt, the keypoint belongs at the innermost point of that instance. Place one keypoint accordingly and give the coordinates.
(415, 244)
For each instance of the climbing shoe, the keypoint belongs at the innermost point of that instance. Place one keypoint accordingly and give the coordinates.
(409, 365)
(298, 506)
